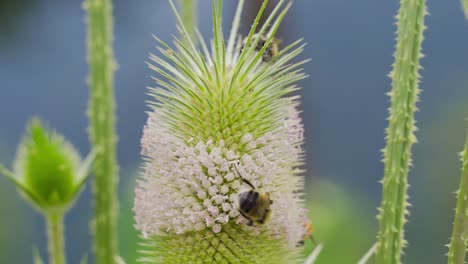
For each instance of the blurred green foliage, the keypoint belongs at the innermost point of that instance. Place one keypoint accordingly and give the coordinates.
(343, 223)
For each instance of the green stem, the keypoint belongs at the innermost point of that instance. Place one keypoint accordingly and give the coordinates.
(189, 16)
(55, 237)
(400, 132)
(101, 114)
(459, 241)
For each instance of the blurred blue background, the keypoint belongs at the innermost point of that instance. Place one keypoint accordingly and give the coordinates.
(43, 73)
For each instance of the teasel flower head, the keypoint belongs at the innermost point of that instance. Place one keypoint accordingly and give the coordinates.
(48, 171)
(220, 115)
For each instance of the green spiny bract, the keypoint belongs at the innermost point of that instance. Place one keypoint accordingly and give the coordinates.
(221, 115)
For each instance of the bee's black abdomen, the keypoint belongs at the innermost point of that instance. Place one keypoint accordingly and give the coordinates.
(248, 200)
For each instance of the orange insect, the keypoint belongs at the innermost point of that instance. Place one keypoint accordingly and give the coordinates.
(308, 231)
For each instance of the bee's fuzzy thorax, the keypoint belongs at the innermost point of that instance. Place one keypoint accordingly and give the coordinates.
(215, 116)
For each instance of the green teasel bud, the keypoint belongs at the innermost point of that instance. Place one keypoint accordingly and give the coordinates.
(48, 170)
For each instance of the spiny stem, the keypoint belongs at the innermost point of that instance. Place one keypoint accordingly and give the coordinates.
(101, 114)
(459, 241)
(189, 16)
(55, 237)
(400, 132)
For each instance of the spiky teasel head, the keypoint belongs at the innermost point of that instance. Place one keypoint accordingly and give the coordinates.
(48, 171)
(222, 115)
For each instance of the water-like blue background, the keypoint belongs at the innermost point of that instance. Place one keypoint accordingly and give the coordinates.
(43, 73)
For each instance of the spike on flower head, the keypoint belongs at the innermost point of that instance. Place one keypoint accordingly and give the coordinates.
(222, 117)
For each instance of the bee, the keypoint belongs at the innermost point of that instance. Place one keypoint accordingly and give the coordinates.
(253, 205)
(270, 52)
(308, 231)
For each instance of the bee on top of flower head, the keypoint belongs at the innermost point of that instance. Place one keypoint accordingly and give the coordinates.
(253, 205)
(270, 52)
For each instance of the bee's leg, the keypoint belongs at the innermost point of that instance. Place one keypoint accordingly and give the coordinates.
(244, 180)
(313, 239)
(250, 223)
(248, 183)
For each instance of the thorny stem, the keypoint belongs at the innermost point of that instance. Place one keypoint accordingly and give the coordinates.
(400, 132)
(101, 114)
(459, 241)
